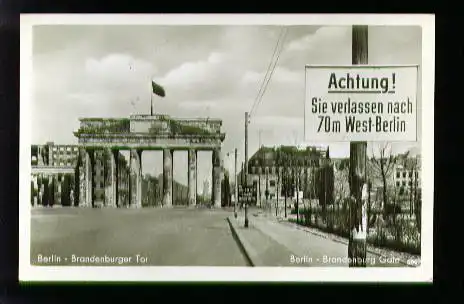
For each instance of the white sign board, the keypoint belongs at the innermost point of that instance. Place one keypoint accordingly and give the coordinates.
(361, 103)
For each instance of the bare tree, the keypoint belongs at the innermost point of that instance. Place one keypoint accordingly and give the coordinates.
(413, 185)
(342, 187)
(342, 191)
(384, 164)
(415, 200)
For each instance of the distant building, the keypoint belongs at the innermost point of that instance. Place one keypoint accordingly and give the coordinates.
(403, 179)
(53, 166)
(407, 174)
(266, 167)
(205, 189)
(54, 155)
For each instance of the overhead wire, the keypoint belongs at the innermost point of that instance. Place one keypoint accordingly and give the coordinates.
(280, 48)
(268, 75)
(268, 70)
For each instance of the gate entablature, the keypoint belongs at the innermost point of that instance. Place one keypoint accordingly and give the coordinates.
(151, 132)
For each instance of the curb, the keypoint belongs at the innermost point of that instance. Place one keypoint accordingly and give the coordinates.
(245, 247)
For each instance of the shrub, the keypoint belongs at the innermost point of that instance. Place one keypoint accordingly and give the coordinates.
(403, 236)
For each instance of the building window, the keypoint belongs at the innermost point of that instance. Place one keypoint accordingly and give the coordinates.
(417, 174)
(272, 183)
(397, 174)
(410, 174)
(101, 184)
(404, 174)
(404, 183)
(409, 183)
(397, 184)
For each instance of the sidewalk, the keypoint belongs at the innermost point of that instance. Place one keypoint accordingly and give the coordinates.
(293, 245)
(260, 249)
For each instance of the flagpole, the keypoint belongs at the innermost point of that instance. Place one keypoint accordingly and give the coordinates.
(151, 104)
(151, 96)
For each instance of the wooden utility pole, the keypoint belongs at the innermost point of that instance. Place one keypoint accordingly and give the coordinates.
(285, 185)
(277, 189)
(277, 173)
(236, 185)
(266, 191)
(357, 177)
(297, 187)
(246, 144)
(246, 166)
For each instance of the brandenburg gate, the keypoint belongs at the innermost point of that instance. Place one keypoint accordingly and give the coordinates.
(148, 132)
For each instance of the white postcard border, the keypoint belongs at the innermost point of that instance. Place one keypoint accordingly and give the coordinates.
(423, 273)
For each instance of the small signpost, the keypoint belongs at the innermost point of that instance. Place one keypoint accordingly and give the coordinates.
(247, 193)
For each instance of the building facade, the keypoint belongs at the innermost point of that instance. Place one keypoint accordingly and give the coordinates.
(53, 155)
(407, 174)
(53, 180)
(269, 165)
(57, 168)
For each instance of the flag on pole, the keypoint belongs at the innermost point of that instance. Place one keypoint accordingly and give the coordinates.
(157, 89)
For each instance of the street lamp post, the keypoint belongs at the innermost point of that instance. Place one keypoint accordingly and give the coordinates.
(277, 192)
(246, 166)
(235, 185)
(297, 187)
(246, 205)
(266, 191)
(286, 188)
(235, 181)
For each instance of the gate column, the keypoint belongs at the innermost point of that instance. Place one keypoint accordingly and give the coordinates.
(89, 164)
(167, 177)
(136, 178)
(82, 178)
(192, 177)
(111, 179)
(216, 178)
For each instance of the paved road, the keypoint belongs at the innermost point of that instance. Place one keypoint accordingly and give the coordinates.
(164, 237)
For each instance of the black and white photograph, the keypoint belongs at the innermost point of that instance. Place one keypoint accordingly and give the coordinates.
(226, 147)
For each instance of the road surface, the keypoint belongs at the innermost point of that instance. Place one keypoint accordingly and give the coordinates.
(123, 237)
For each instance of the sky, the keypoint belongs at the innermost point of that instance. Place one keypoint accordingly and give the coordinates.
(207, 71)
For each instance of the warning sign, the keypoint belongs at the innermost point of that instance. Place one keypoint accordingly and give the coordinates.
(361, 103)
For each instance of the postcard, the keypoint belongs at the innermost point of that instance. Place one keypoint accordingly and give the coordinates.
(226, 148)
